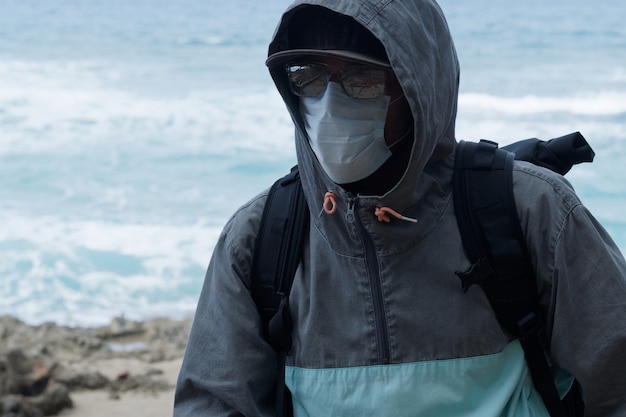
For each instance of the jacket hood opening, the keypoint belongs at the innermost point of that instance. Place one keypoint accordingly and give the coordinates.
(414, 39)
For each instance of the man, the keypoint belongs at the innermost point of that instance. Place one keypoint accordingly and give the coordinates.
(381, 327)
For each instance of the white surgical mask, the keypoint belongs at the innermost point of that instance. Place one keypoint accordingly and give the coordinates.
(346, 134)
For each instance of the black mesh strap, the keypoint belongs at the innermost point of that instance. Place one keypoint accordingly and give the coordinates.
(283, 228)
(493, 239)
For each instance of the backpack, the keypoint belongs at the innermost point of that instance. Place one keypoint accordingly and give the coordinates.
(492, 239)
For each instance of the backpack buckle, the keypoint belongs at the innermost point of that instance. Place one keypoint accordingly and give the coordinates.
(478, 273)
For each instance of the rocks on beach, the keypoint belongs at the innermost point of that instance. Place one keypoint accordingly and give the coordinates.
(40, 366)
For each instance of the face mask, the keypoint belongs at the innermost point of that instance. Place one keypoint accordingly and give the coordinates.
(346, 134)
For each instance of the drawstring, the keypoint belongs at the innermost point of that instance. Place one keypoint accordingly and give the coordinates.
(381, 213)
(330, 207)
(330, 203)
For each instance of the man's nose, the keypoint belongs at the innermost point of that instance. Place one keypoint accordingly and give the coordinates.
(335, 76)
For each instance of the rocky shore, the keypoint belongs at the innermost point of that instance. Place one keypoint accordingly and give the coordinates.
(44, 368)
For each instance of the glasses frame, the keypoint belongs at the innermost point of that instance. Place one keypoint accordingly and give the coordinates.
(329, 71)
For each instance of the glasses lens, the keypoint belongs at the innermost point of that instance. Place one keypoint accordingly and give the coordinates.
(308, 80)
(358, 81)
(362, 81)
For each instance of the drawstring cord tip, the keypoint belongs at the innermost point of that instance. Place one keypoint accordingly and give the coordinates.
(381, 214)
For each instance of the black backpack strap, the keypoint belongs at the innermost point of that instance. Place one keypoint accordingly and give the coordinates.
(284, 226)
(494, 242)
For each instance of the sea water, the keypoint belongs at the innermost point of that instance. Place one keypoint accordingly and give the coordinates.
(131, 130)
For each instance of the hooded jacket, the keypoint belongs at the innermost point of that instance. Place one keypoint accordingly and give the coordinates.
(381, 324)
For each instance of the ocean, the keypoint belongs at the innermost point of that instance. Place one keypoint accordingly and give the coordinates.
(131, 130)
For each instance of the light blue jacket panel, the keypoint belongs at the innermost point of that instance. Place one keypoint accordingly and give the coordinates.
(497, 385)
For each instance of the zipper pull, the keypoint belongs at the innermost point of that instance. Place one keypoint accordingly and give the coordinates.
(350, 215)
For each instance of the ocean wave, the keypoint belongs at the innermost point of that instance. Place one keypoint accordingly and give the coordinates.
(57, 107)
(201, 41)
(605, 103)
(87, 272)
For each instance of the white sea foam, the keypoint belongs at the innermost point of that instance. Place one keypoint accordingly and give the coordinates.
(88, 272)
(592, 104)
(67, 106)
(599, 116)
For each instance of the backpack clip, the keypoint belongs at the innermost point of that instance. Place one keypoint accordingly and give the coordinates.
(478, 273)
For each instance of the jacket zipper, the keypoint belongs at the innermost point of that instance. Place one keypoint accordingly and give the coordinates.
(371, 260)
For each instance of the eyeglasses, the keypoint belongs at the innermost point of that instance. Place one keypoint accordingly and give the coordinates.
(358, 80)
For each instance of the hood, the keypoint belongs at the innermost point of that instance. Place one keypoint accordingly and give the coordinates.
(421, 52)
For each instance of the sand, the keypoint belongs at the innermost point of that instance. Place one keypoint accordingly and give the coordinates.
(99, 403)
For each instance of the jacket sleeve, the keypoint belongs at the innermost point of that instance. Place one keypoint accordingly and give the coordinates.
(582, 285)
(228, 368)
(589, 312)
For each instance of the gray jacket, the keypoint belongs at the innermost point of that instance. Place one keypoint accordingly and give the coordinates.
(381, 325)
